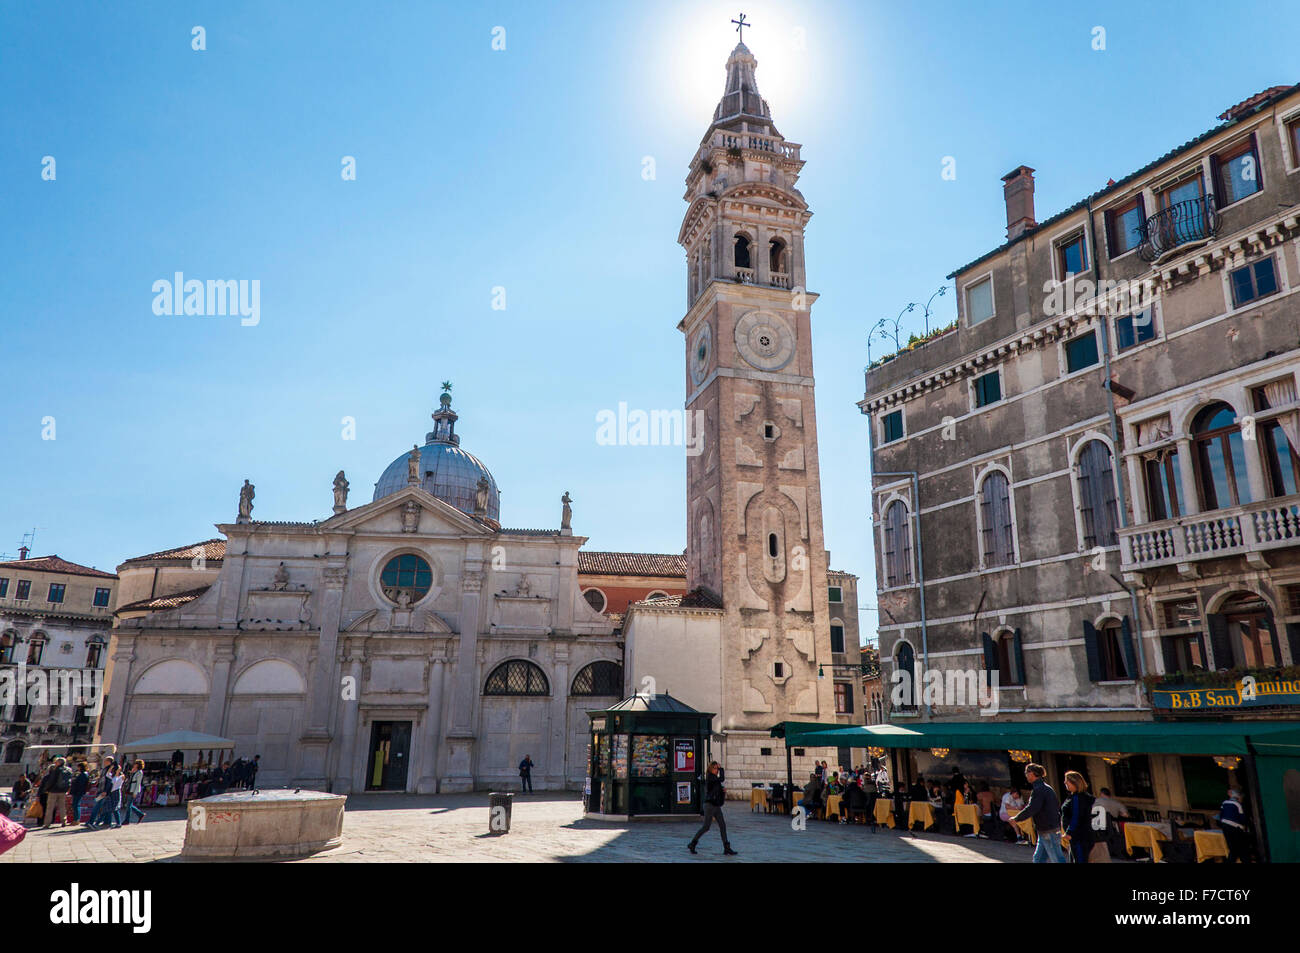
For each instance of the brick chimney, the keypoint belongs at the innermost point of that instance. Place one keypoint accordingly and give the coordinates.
(1018, 188)
(22, 552)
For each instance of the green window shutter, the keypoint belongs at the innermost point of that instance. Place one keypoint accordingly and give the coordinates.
(1130, 651)
(990, 653)
(1090, 646)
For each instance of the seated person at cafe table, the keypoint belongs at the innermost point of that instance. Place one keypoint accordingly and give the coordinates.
(1013, 804)
(1115, 810)
(813, 794)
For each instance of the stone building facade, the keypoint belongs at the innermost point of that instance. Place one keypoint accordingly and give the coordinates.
(408, 643)
(55, 619)
(1091, 479)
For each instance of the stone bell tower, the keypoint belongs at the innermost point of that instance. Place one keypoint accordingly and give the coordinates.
(754, 514)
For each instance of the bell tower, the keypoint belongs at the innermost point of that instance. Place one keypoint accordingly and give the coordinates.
(754, 514)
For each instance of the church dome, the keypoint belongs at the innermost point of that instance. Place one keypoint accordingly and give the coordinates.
(445, 470)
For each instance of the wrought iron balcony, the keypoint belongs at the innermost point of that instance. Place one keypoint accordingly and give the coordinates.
(1237, 531)
(1181, 224)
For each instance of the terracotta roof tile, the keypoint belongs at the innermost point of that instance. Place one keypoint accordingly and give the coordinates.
(631, 564)
(164, 602)
(55, 564)
(698, 598)
(211, 549)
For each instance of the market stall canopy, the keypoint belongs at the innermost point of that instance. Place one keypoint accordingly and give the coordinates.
(179, 741)
(1210, 738)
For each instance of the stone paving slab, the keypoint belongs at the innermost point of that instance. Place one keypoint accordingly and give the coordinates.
(546, 827)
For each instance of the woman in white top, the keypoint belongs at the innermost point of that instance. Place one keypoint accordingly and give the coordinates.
(115, 795)
(1013, 804)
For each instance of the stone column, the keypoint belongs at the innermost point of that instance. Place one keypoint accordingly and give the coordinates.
(349, 714)
(223, 656)
(460, 739)
(428, 783)
(556, 771)
(1187, 475)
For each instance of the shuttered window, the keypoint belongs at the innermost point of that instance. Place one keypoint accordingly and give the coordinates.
(1097, 495)
(996, 529)
(898, 546)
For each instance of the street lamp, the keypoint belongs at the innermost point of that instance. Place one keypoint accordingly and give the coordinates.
(884, 323)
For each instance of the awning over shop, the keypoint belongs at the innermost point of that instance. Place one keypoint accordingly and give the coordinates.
(179, 741)
(1273, 737)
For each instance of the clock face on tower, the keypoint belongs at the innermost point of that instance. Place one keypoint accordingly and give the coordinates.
(764, 340)
(701, 354)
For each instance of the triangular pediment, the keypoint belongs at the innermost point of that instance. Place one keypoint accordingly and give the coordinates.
(393, 513)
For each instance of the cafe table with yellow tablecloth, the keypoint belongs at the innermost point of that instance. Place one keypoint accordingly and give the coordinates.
(757, 798)
(1210, 844)
(833, 805)
(968, 814)
(920, 811)
(885, 812)
(1144, 835)
(1028, 828)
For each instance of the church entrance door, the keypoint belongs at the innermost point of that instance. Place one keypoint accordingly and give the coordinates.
(390, 748)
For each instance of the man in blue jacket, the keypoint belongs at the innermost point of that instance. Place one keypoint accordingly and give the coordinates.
(1044, 809)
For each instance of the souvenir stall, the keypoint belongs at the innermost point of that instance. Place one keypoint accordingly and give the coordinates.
(647, 758)
(177, 764)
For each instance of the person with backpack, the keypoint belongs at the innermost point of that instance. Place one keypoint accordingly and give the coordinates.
(57, 782)
(715, 795)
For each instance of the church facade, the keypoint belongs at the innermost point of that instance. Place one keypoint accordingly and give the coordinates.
(752, 640)
(410, 643)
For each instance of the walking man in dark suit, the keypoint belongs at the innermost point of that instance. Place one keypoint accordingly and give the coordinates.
(715, 795)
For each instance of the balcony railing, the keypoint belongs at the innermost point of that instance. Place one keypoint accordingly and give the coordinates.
(745, 276)
(1270, 524)
(1181, 224)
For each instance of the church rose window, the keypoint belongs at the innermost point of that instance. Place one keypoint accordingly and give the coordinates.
(596, 599)
(517, 677)
(599, 678)
(407, 575)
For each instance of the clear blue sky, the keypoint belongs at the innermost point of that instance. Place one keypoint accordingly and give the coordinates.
(520, 169)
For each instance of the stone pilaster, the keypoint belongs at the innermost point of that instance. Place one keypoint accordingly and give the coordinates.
(349, 716)
(432, 741)
(313, 754)
(460, 739)
(223, 656)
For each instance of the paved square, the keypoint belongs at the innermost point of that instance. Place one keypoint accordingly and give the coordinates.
(546, 827)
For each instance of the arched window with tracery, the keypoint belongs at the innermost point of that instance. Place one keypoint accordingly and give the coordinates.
(599, 678)
(517, 677)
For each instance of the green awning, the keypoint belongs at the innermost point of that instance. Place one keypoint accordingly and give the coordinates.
(1126, 737)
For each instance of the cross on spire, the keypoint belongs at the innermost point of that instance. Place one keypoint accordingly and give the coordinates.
(740, 27)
